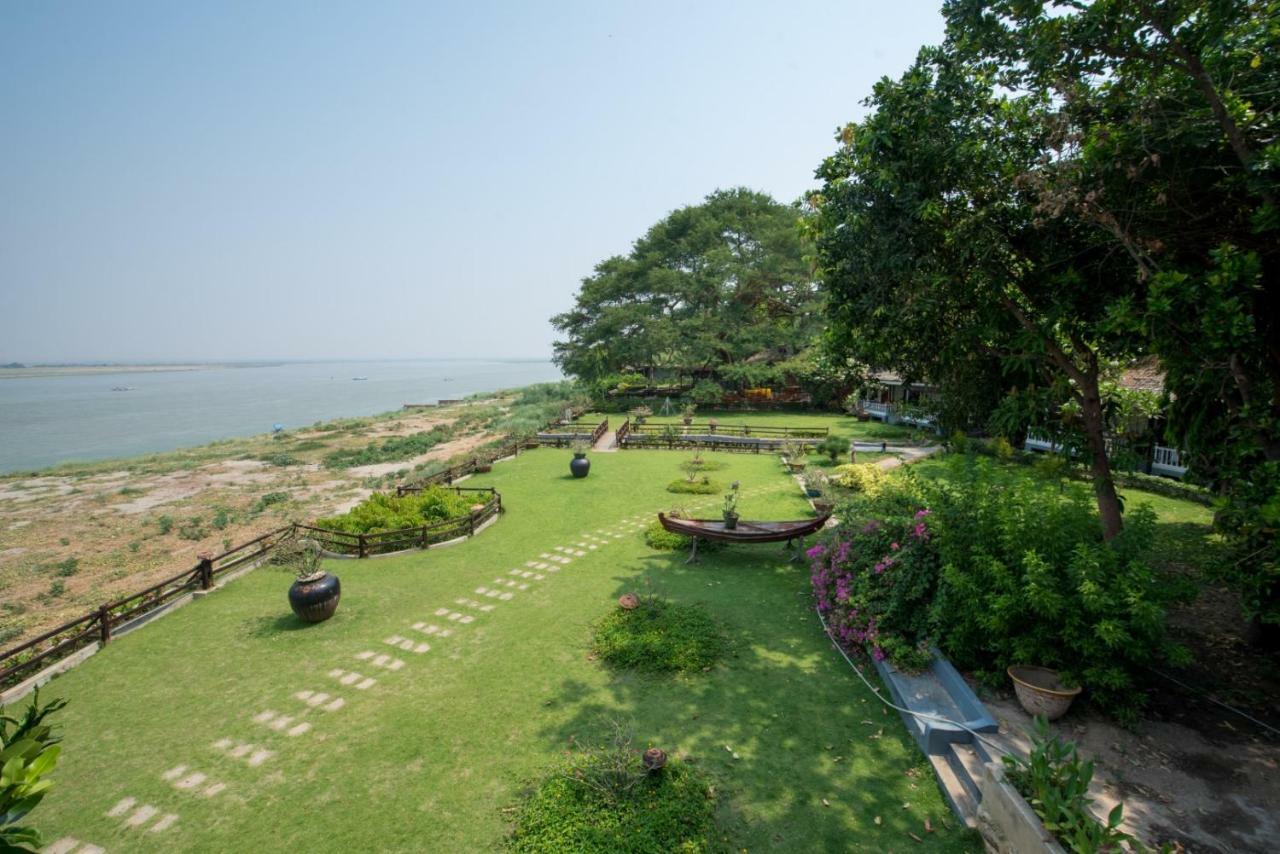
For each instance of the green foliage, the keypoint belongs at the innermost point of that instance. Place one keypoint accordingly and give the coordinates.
(193, 529)
(711, 285)
(28, 753)
(221, 518)
(659, 538)
(1007, 569)
(281, 459)
(384, 512)
(707, 393)
(67, 567)
(165, 524)
(300, 556)
(834, 447)
(659, 637)
(1055, 781)
(602, 800)
(705, 486)
(269, 499)
(391, 449)
(866, 478)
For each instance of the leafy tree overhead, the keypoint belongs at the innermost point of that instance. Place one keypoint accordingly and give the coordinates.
(720, 288)
(1163, 138)
(938, 265)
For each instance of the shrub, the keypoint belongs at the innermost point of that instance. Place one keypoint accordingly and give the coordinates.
(221, 519)
(1000, 569)
(165, 523)
(834, 447)
(603, 800)
(192, 529)
(1055, 781)
(280, 459)
(659, 637)
(270, 499)
(707, 393)
(383, 512)
(70, 566)
(658, 537)
(695, 487)
(389, 450)
(30, 750)
(867, 478)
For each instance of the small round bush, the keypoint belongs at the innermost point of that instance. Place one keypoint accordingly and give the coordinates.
(696, 487)
(596, 803)
(658, 537)
(659, 637)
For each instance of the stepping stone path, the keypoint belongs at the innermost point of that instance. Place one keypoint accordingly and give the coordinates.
(320, 699)
(184, 781)
(471, 603)
(378, 659)
(71, 845)
(350, 677)
(124, 809)
(432, 629)
(281, 723)
(250, 753)
(407, 645)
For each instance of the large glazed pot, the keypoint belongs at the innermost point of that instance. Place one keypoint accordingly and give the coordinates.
(315, 597)
(580, 465)
(1040, 690)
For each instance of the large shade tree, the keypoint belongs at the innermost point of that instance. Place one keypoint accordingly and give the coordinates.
(719, 288)
(1166, 139)
(938, 262)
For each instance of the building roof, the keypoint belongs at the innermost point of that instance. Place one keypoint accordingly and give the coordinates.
(1144, 375)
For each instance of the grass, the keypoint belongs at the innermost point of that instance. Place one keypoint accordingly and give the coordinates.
(659, 636)
(434, 753)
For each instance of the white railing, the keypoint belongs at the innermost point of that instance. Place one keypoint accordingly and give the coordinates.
(1167, 461)
(1039, 442)
(875, 409)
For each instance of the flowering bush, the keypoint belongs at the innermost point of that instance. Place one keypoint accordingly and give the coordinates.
(998, 567)
(875, 585)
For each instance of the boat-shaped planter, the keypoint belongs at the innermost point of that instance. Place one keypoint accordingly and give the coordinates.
(791, 532)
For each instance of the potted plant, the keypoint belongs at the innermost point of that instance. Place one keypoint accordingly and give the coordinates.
(1041, 691)
(480, 465)
(815, 482)
(712, 425)
(688, 413)
(730, 511)
(580, 466)
(640, 413)
(794, 453)
(314, 594)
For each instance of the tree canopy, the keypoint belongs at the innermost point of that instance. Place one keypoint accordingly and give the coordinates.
(720, 288)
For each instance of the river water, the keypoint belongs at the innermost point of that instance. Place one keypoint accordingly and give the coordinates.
(52, 419)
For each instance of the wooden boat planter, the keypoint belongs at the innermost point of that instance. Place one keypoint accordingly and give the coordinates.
(790, 532)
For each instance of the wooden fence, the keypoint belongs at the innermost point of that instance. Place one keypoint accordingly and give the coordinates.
(743, 439)
(100, 624)
(385, 542)
(555, 438)
(706, 428)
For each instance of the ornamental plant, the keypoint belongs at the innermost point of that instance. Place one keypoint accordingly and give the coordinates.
(867, 478)
(28, 753)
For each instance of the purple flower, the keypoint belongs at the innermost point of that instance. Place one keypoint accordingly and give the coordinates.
(922, 512)
(877, 653)
(817, 551)
(893, 546)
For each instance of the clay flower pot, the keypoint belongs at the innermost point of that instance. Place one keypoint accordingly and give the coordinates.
(1040, 690)
(628, 601)
(654, 759)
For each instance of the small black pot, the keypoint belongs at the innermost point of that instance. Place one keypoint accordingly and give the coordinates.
(580, 465)
(315, 600)
(731, 522)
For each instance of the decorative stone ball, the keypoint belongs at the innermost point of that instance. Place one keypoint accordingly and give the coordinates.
(654, 758)
(628, 601)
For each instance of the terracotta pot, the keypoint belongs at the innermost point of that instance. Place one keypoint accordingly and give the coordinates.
(628, 601)
(1040, 690)
(315, 598)
(654, 758)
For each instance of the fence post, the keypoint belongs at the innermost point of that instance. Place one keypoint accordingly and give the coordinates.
(360, 546)
(104, 625)
(206, 570)
(424, 536)
(471, 525)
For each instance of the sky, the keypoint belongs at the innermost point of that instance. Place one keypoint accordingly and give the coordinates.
(216, 181)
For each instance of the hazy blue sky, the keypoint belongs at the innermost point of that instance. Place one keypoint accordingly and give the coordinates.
(185, 180)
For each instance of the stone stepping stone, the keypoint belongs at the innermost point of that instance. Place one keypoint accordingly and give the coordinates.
(251, 753)
(121, 807)
(164, 823)
(579, 553)
(316, 699)
(68, 844)
(407, 645)
(350, 677)
(142, 815)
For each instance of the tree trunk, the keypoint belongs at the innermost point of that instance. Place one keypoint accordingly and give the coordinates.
(1104, 485)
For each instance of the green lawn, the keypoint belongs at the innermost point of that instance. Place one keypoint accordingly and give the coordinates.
(431, 756)
(838, 424)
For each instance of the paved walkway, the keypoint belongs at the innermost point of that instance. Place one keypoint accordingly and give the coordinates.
(607, 444)
(908, 454)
